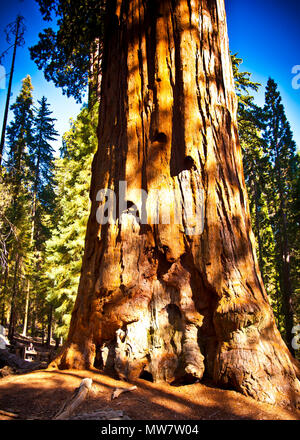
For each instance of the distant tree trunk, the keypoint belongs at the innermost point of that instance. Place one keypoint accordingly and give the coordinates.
(26, 312)
(155, 297)
(2, 142)
(12, 318)
(43, 332)
(33, 319)
(257, 226)
(33, 220)
(286, 280)
(284, 253)
(3, 313)
(49, 326)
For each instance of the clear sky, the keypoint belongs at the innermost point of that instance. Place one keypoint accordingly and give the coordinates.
(265, 33)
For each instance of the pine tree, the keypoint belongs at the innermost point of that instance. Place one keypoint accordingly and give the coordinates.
(20, 135)
(42, 166)
(42, 154)
(20, 139)
(6, 231)
(30, 166)
(280, 151)
(295, 231)
(65, 247)
(256, 167)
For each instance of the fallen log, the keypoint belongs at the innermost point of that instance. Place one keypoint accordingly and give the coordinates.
(16, 362)
(76, 399)
(12, 360)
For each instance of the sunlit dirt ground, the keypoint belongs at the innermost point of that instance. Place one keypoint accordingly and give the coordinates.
(40, 394)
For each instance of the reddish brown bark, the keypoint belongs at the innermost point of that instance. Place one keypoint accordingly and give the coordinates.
(154, 297)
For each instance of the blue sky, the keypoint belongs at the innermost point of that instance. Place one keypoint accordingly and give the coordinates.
(265, 33)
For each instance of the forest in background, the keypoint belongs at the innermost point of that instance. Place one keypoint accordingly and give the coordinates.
(45, 203)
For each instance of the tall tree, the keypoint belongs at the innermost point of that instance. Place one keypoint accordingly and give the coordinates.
(20, 138)
(42, 154)
(65, 247)
(20, 134)
(16, 29)
(42, 176)
(295, 269)
(251, 123)
(172, 299)
(283, 160)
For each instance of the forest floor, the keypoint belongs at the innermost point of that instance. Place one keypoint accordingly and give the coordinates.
(39, 395)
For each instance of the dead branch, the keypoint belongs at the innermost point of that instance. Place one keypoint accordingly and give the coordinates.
(117, 391)
(8, 414)
(76, 399)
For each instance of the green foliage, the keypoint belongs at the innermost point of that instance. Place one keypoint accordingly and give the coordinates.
(20, 135)
(243, 85)
(17, 213)
(64, 54)
(66, 245)
(27, 213)
(283, 195)
(20, 138)
(271, 168)
(43, 199)
(256, 169)
(42, 159)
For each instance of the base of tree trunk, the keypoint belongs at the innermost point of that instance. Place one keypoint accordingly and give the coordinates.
(258, 373)
(163, 331)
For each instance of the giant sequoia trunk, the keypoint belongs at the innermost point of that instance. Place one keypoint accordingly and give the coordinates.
(174, 299)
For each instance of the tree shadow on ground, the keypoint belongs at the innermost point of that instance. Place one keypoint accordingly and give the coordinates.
(39, 395)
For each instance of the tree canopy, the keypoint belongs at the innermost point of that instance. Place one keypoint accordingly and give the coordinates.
(64, 50)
